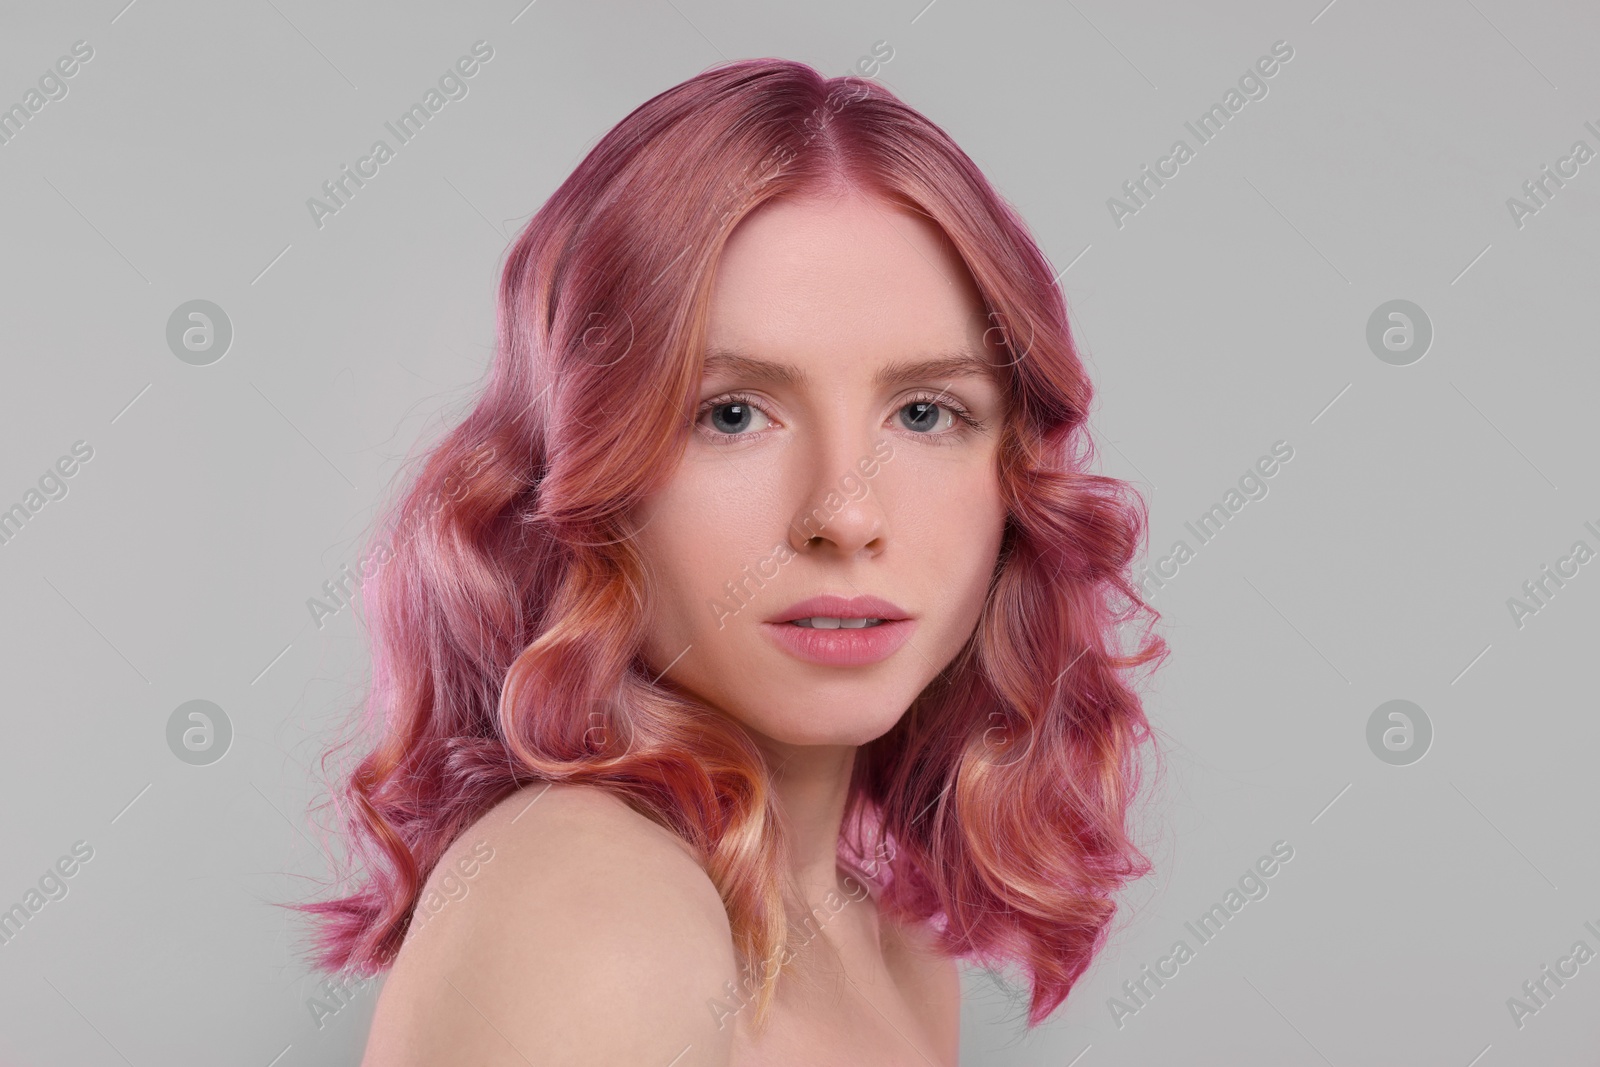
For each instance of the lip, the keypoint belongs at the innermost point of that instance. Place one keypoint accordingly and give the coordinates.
(831, 605)
(841, 647)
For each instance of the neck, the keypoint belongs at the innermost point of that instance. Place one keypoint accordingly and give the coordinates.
(812, 783)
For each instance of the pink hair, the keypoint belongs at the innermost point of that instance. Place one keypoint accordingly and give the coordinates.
(506, 620)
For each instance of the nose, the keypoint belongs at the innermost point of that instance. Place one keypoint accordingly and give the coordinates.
(840, 512)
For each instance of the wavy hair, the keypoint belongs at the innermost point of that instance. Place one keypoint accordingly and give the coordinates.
(506, 619)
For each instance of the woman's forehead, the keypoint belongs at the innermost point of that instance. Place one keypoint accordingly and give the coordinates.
(852, 274)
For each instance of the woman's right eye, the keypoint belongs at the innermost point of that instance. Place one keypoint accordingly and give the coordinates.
(734, 417)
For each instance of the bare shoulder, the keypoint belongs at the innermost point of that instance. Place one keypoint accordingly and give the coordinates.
(562, 926)
(930, 981)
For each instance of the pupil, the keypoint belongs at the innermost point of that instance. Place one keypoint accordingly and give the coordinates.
(924, 415)
(737, 421)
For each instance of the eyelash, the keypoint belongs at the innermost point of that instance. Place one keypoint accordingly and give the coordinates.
(966, 423)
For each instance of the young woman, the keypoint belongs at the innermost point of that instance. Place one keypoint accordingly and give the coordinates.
(751, 652)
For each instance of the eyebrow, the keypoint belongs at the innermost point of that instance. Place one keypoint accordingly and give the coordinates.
(955, 365)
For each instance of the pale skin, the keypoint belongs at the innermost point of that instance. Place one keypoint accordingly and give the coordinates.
(593, 936)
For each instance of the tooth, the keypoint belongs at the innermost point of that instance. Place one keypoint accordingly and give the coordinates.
(829, 622)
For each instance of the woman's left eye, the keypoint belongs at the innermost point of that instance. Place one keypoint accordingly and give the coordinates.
(928, 415)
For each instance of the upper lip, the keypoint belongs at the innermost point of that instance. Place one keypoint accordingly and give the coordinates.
(831, 605)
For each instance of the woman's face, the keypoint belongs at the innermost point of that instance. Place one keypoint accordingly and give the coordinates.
(829, 458)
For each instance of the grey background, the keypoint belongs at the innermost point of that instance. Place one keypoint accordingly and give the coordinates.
(1228, 314)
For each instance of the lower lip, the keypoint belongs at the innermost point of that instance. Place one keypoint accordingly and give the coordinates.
(842, 647)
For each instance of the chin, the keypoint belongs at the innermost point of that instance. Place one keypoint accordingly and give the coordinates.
(840, 721)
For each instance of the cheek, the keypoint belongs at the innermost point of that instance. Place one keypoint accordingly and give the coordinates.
(975, 545)
(954, 509)
(697, 538)
(949, 521)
